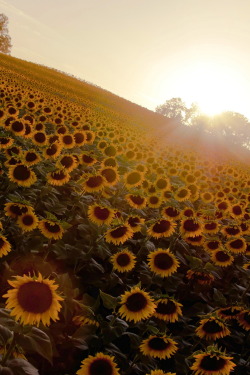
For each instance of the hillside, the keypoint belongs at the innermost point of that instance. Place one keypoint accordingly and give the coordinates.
(125, 239)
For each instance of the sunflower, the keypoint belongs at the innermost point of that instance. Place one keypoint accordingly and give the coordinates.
(154, 201)
(31, 157)
(68, 140)
(27, 221)
(231, 231)
(100, 364)
(162, 228)
(110, 175)
(123, 261)
(135, 222)
(5, 246)
(244, 319)
(16, 209)
(222, 258)
(207, 197)
(53, 151)
(133, 179)
(68, 162)
(6, 142)
(246, 266)
(195, 241)
(163, 184)
(87, 159)
(94, 183)
(212, 245)
(158, 347)
(51, 229)
(236, 246)
(182, 194)
(168, 309)
(136, 200)
(17, 127)
(230, 312)
(80, 320)
(237, 211)
(160, 372)
(119, 235)
(211, 227)
(212, 328)
(22, 175)
(33, 300)
(191, 227)
(39, 138)
(79, 137)
(100, 214)
(212, 363)
(136, 305)
(162, 262)
(202, 278)
(58, 178)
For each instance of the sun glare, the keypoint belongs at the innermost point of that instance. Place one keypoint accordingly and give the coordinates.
(213, 86)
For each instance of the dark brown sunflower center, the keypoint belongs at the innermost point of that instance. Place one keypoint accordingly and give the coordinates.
(4, 141)
(87, 159)
(123, 259)
(58, 175)
(167, 308)
(161, 184)
(232, 231)
(222, 206)
(153, 200)
(67, 161)
(182, 193)
(52, 228)
(52, 150)
(157, 343)
(100, 366)
(79, 137)
(212, 327)
(15, 209)
(213, 245)
(119, 232)
(94, 181)
(171, 211)
(34, 297)
(133, 178)
(246, 317)
(188, 212)
(162, 226)
(67, 139)
(230, 312)
(137, 199)
(30, 156)
(190, 226)
(221, 256)
(210, 226)
(40, 137)
(163, 261)
(236, 244)
(109, 174)
(28, 220)
(207, 196)
(209, 363)
(136, 302)
(17, 126)
(237, 210)
(133, 221)
(21, 173)
(101, 213)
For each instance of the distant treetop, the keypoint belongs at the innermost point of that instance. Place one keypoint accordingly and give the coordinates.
(5, 40)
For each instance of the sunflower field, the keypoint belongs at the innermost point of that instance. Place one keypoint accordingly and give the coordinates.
(124, 248)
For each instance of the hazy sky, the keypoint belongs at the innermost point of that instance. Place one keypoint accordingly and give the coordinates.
(147, 51)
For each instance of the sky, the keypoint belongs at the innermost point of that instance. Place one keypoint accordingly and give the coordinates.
(146, 51)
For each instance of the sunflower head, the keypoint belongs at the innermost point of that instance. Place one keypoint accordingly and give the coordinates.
(100, 364)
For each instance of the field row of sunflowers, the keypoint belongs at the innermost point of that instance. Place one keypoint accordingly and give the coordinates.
(120, 254)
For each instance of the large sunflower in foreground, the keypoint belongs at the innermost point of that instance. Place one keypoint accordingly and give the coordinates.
(33, 300)
(207, 363)
(100, 364)
(22, 175)
(136, 305)
(158, 346)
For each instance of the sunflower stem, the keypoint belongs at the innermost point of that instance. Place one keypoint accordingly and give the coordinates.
(10, 349)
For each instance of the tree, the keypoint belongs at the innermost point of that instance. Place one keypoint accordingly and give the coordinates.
(177, 110)
(5, 40)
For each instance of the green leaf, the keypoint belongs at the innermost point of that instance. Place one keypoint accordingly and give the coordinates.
(5, 335)
(194, 262)
(36, 341)
(20, 366)
(109, 301)
(219, 298)
(210, 267)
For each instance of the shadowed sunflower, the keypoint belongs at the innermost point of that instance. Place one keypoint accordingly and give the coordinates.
(162, 262)
(5, 246)
(212, 328)
(236, 246)
(222, 258)
(171, 212)
(211, 227)
(100, 364)
(123, 261)
(28, 221)
(51, 229)
(246, 266)
(16, 209)
(100, 214)
(31, 157)
(160, 372)
(68, 162)
(110, 175)
(135, 222)
(136, 305)
(191, 227)
(22, 175)
(182, 194)
(162, 228)
(94, 183)
(202, 278)
(228, 313)
(58, 177)
(244, 319)
(212, 364)
(119, 234)
(80, 320)
(136, 201)
(158, 347)
(168, 309)
(33, 300)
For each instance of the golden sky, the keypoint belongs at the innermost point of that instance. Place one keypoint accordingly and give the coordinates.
(147, 51)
